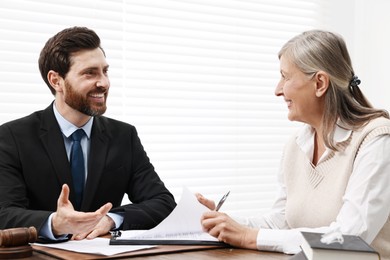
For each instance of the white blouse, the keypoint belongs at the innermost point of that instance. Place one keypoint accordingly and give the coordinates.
(366, 202)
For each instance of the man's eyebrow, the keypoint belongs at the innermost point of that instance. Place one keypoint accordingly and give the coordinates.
(95, 68)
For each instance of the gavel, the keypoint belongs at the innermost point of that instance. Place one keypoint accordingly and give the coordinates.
(17, 236)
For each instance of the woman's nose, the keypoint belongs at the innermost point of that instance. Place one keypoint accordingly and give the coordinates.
(279, 89)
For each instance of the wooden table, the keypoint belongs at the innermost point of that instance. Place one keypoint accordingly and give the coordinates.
(221, 253)
(203, 254)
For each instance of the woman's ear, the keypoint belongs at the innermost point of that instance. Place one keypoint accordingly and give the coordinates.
(55, 80)
(322, 83)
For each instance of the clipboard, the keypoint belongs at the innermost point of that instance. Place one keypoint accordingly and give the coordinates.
(153, 241)
(114, 241)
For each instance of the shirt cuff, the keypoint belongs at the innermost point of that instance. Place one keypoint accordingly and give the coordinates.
(117, 218)
(47, 233)
(286, 241)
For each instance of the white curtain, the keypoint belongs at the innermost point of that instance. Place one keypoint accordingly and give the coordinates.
(196, 77)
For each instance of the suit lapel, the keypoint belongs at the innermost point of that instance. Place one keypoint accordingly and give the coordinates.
(96, 161)
(53, 142)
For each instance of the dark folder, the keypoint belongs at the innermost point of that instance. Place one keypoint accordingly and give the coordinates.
(114, 241)
(155, 241)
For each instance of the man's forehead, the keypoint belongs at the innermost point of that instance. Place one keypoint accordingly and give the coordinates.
(88, 58)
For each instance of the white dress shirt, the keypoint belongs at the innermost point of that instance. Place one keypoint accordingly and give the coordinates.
(365, 206)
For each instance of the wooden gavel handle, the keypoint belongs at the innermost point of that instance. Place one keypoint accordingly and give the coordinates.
(17, 236)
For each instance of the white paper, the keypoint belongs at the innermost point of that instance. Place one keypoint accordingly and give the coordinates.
(182, 223)
(98, 246)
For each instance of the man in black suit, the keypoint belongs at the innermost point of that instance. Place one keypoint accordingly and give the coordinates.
(38, 186)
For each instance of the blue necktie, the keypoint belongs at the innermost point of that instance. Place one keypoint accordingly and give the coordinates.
(77, 166)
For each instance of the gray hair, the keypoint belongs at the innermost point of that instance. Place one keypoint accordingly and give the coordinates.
(317, 50)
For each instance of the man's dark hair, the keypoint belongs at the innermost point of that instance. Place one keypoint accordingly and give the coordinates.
(57, 51)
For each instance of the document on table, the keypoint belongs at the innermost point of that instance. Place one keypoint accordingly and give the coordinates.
(98, 246)
(182, 226)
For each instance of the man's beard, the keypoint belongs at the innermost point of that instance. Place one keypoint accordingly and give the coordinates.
(81, 103)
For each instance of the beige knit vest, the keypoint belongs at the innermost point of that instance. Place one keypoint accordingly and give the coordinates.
(314, 194)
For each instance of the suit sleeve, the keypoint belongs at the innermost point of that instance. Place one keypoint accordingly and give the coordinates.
(151, 200)
(14, 201)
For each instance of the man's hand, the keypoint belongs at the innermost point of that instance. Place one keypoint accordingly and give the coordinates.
(68, 221)
(103, 227)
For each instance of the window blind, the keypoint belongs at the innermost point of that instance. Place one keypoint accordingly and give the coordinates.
(196, 77)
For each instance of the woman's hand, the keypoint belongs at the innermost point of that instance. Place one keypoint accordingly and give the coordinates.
(208, 203)
(223, 227)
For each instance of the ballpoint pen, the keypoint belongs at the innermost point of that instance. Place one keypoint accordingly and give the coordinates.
(220, 203)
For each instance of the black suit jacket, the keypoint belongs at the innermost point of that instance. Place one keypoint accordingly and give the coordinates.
(34, 166)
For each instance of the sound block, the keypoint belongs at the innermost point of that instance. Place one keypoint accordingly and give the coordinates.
(15, 252)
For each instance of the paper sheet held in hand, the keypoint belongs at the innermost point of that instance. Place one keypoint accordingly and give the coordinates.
(181, 227)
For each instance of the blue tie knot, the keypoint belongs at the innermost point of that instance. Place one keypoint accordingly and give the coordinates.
(77, 135)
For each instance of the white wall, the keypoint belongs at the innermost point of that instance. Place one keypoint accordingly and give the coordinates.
(372, 37)
(365, 25)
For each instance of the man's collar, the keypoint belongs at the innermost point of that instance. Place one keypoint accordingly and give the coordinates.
(67, 128)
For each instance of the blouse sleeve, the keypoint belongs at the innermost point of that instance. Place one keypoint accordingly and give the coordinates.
(366, 205)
